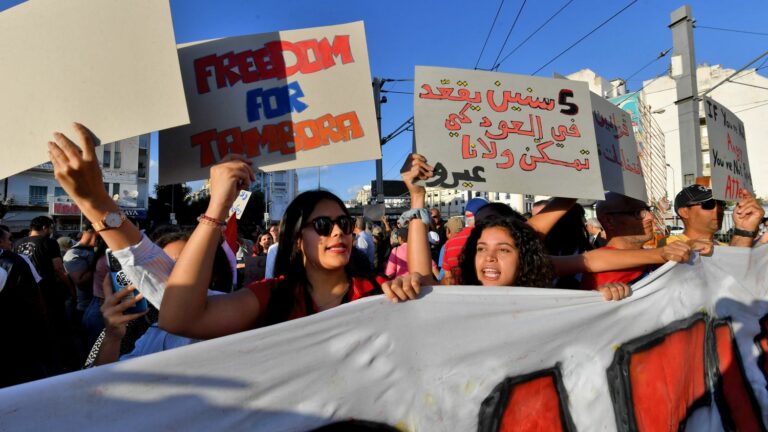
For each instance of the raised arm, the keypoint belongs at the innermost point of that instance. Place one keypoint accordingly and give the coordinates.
(186, 308)
(543, 222)
(746, 219)
(601, 260)
(79, 174)
(419, 254)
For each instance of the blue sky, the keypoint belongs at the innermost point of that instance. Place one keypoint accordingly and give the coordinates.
(403, 34)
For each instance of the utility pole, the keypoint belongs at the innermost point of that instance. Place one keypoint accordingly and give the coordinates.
(684, 73)
(377, 84)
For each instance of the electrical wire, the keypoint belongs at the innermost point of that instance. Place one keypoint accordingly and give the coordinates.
(585, 36)
(730, 30)
(489, 34)
(497, 65)
(514, 23)
(396, 92)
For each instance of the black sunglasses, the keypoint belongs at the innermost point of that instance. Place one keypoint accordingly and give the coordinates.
(323, 225)
(709, 204)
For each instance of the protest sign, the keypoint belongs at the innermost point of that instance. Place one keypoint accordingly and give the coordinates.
(617, 148)
(500, 132)
(110, 65)
(686, 348)
(284, 100)
(239, 205)
(374, 211)
(727, 152)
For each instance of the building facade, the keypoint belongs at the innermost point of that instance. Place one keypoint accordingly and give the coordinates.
(35, 192)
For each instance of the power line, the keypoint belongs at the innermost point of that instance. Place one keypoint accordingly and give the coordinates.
(396, 92)
(734, 74)
(747, 109)
(585, 36)
(400, 129)
(641, 88)
(496, 66)
(514, 23)
(489, 34)
(730, 30)
(660, 56)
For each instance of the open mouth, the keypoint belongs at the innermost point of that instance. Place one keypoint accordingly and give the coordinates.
(490, 273)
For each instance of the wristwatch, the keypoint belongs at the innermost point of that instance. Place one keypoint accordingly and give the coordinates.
(744, 233)
(111, 220)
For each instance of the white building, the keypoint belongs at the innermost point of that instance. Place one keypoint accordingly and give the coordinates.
(279, 189)
(35, 192)
(746, 97)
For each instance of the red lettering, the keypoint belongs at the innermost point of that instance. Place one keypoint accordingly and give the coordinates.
(533, 402)
(202, 72)
(285, 137)
(205, 140)
(732, 187)
(349, 126)
(739, 407)
(230, 142)
(307, 133)
(277, 59)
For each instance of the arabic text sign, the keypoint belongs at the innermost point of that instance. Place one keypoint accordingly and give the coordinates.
(285, 100)
(240, 202)
(616, 146)
(506, 133)
(685, 348)
(727, 152)
(110, 65)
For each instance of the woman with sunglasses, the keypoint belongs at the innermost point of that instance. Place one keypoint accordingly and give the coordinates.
(316, 268)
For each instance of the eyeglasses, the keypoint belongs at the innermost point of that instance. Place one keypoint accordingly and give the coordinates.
(709, 204)
(323, 225)
(637, 213)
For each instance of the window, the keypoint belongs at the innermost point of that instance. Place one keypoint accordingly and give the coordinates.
(115, 189)
(38, 195)
(106, 187)
(59, 192)
(118, 156)
(107, 159)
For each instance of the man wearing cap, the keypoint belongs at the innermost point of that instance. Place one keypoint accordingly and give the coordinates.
(455, 245)
(702, 216)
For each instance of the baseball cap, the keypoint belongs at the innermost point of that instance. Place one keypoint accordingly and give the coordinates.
(693, 194)
(473, 206)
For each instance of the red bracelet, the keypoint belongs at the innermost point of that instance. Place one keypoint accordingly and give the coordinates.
(210, 220)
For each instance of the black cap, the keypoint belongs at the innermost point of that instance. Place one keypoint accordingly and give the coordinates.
(693, 194)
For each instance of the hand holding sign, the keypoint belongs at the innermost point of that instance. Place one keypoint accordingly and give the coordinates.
(227, 179)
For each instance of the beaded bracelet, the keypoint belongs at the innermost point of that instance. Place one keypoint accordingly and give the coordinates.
(207, 220)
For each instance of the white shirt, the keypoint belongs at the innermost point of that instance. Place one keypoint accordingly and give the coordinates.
(148, 266)
(269, 271)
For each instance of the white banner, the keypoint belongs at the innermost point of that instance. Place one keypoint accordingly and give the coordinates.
(685, 349)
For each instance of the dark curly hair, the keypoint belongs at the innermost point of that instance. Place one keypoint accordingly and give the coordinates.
(534, 268)
(289, 262)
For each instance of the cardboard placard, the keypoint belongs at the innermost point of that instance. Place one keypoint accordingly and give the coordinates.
(110, 65)
(617, 148)
(285, 100)
(500, 132)
(727, 152)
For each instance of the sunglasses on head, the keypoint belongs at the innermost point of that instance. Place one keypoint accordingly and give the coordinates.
(709, 204)
(323, 225)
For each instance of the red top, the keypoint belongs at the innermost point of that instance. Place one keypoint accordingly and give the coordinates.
(453, 248)
(593, 280)
(263, 291)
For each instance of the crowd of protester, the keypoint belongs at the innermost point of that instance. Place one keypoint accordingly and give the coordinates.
(60, 310)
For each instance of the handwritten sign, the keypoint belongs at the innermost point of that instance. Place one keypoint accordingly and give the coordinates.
(617, 148)
(510, 133)
(727, 152)
(110, 65)
(240, 202)
(285, 100)
(374, 212)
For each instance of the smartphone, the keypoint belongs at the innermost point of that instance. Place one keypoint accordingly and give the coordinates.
(120, 281)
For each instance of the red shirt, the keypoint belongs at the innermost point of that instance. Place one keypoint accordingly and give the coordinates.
(453, 248)
(593, 280)
(263, 291)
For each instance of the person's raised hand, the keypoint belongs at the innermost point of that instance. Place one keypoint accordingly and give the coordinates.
(77, 168)
(702, 246)
(402, 288)
(415, 168)
(748, 213)
(614, 291)
(228, 177)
